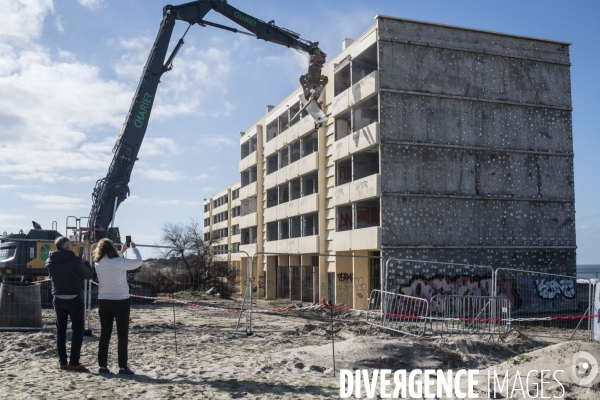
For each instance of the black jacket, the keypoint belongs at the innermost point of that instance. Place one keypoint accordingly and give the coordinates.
(67, 272)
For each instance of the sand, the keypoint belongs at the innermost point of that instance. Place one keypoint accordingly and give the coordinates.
(291, 361)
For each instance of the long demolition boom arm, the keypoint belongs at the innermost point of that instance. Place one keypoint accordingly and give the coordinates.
(113, 189)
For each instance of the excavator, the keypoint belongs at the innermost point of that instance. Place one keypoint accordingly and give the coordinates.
(23, 255)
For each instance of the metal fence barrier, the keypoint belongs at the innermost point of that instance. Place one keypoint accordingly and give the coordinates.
(469, 315)
(549, 305)
(397, 312)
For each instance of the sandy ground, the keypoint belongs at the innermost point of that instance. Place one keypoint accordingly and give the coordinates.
(293, 360)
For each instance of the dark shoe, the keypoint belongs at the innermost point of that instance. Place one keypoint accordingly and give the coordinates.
(125, 371)
(103, 370)
(79, 368)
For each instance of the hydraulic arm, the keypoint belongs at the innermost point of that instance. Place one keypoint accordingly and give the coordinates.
(113, 189)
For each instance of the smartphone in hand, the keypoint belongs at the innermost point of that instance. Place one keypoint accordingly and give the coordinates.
(128, 241)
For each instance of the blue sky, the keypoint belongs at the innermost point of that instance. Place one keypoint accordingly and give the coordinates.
(69, 68)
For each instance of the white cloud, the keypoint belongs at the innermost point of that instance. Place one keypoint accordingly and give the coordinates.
(201, 176)
(217, 141)
(208, 189)
(51, 202)
(195, 73)
(58, 22)
(8, 187)
(175, 202)
(158, 174)
(152, 147)
(49, 101)
(164, 202)
(23, 20)
(93, 4)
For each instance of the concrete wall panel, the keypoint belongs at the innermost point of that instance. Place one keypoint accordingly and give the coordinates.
(425, 221)
(454, 171)
(463, 122)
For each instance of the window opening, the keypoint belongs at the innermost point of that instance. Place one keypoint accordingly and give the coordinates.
(344, 218)
(343, 171)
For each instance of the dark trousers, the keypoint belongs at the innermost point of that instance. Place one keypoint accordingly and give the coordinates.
(110, 310)
(64, 309)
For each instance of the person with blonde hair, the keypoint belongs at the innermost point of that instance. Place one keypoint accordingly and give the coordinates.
(113, 300)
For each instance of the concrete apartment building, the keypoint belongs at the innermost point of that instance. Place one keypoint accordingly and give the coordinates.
(221, 220)
(443, 143)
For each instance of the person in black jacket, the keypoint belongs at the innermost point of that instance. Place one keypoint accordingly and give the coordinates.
(67, 272)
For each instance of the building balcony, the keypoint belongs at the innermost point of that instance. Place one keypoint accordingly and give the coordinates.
(305, 125)
(281, 175)
(292, 170)
(248, 161)
(282, 245)
(341, 194)
(270, 214)
(365, 188)
(248, 248)
(360, 189)
(219, 225)
(308, 163)
(342, 241)
(270, 147)
(292, 208)
(292, 245)
(271, 247)
(359, 91)
(248, 220)
(340, 103)
(282, 139)
(308, 204)
(248, 190)
(364, 88)
(235, 221)
(355, 142)
(358, 239)
(281, 210)
(308, 244)
(236, 256)
(220, 209)
(236, 238)
(366, 238)
(270, 180)
(364, 138)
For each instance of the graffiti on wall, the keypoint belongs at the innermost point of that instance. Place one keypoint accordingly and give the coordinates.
(360, 286)
(550, 288)
(449, 286)
(344, 277)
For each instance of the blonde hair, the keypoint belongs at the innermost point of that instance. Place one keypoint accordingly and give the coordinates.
(105, 248)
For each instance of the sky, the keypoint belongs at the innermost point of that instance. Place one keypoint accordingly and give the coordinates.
(69, 69)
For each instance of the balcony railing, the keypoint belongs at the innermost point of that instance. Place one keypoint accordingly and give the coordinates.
(308, 244)
(360, 189)
(248, 161)
(308, 163)
(358, 239)
(248, 190)
(308, 204)
(360, 90)
(248, 220)
(355, 142)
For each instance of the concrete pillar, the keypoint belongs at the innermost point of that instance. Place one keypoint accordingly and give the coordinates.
(344, 279)
(271, 282)
(360, 281)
